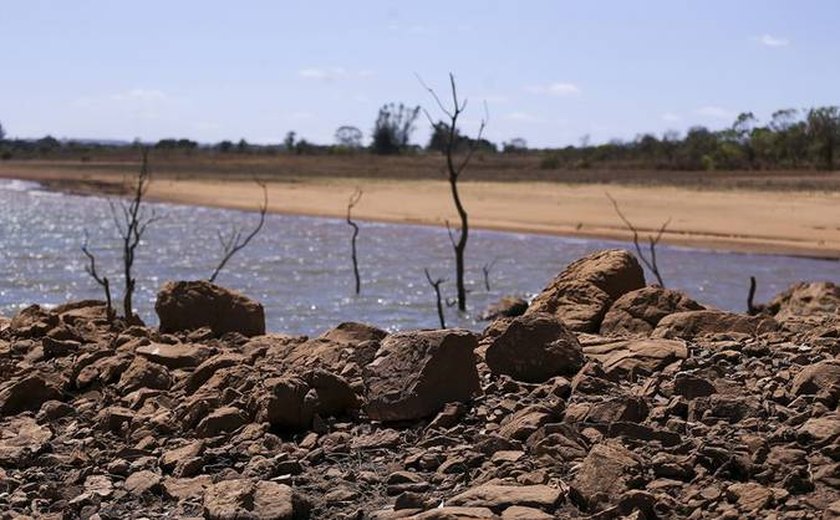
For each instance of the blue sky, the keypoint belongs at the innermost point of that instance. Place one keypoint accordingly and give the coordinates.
(550, 71)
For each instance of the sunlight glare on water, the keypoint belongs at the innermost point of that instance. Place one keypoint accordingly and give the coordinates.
(299, 267)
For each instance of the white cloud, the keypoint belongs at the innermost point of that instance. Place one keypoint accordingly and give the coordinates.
(332, 73)
(772, 41)
(522, 117)
(555, 89)
(140, 95)
(714, 112)
(671, 117)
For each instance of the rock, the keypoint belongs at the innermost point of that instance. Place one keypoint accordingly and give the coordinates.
(416, 373)
(605, 474)
(622, 359)
(180, 355)
(507, 307)
(692, 387)
(142, 482)
(523, 423)
(455, 513)
(750, 496)
(534, 348)
(820, 429)
(525, 513)
(27, 394)
(206, 369)
(694, 324)
(291, 402)
(250, 499)
(500, 497)
(33, 322)
(819, 377)
(195, 304)
(224, 420)
(20, 438)
(186, 488)
(54, 348)
(99, 485)
(144, 374)
(639, 312)
(582, 293)
(805, 299)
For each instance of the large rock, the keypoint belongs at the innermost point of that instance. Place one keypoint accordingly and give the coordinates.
(818, 378)
(640, 311)
(582, 293)
(693, 324)
(605, 474)
(499, 497)
(180, 355)
(193, 305)
(625, 359)
(245, 499)
(805, 299)
(535, 348)
(291, 402)
(27, 394)
(21, 437)
(415, 373)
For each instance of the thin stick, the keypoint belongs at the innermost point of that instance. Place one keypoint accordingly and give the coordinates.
(436, 286)
(354, 199)
(235, 242)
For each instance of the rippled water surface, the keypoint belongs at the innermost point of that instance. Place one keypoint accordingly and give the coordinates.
(299, 267)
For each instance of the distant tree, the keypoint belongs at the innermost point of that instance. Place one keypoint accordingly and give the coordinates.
(242, 146)
(225, 146)
(348, 137)
(289, 141)
(393, 127)
(824, 133)
(517, 144)
(2, 133)
(47, 144)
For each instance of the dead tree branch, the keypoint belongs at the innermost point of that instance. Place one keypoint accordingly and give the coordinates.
(486, 268)
(653, 240)
(454, 170)
(436, 286)
(752, 308)
(354, 199)
(132, 221)
(236, 240)
(90, 269)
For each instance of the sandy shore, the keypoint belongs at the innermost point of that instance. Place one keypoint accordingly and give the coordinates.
(793, 222)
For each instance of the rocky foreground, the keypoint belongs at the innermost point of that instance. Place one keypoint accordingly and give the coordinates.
(605, 399)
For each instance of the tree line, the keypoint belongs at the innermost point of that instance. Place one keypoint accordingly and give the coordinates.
(791, 139)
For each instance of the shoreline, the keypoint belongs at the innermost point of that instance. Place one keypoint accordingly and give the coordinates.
(797, 224)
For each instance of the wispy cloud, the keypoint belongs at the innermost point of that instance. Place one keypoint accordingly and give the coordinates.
(332, 73)
(522, 117)
(714, 112)
(671, 117)
(773, 41)
(140, 95)
(555, 89)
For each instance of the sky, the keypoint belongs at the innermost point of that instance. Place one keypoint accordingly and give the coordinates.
(550, 72)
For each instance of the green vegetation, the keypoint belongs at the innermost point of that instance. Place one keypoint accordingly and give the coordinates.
(792, 139)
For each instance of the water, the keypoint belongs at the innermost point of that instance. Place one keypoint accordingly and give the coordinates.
(299, 267)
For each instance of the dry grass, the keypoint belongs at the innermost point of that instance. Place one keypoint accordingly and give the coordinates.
(500, 168)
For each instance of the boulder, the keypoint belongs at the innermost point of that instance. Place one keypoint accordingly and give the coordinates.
(291, 402)
(606, 473)
(33, 321)
(805, 299)
(534, 348)
(639, 312)
(507, 307)
(694, 324)
(818, 378)
(190, 305)
(415, 373)
(223, 420)
(623, 359)
(21, 438)
(27, 394)
(499, 497)
(144, 374)
(250, 499)
(582, 293)
(180, 355)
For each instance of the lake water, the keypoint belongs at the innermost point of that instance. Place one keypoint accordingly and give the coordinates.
(299, 267)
